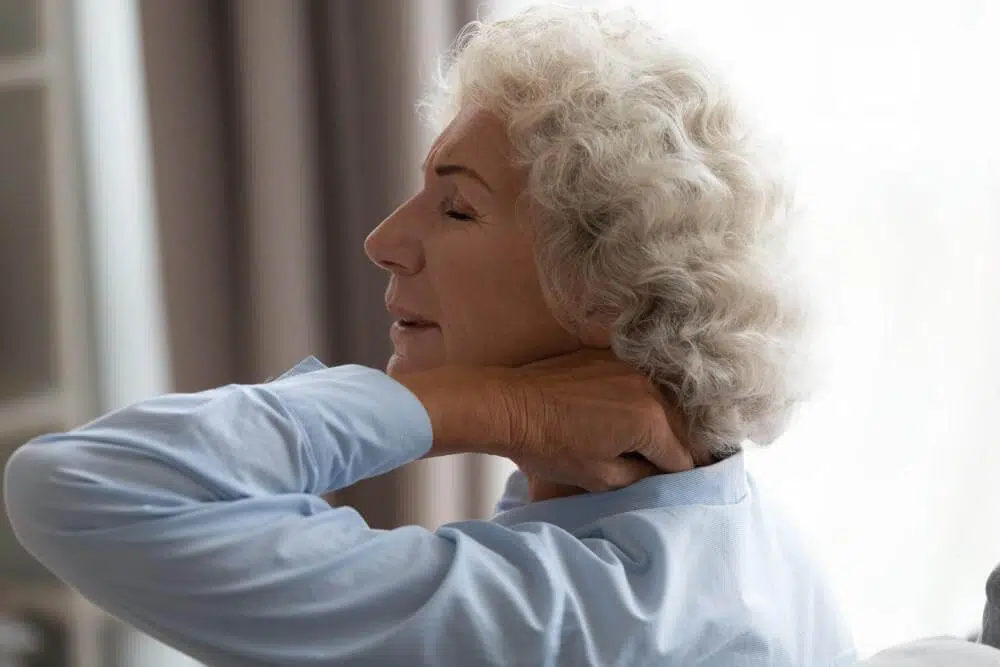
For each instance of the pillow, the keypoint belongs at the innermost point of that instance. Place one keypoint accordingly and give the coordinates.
(937, 652)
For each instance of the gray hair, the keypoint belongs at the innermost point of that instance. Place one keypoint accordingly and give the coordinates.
(654, 208)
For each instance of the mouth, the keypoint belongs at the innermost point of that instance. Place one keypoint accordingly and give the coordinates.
(414, 325)
(407, 320)
(405, 331)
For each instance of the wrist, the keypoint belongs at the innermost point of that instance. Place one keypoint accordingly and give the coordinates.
(468, 409)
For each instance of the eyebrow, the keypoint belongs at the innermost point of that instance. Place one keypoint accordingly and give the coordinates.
(452, 169)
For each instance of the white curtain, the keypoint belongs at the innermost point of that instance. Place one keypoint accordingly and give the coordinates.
(889, 112)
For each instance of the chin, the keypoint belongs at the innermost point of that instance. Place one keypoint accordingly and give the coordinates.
(400, 365)
(394, 366)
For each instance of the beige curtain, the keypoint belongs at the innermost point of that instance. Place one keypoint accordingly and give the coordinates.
(283, 131)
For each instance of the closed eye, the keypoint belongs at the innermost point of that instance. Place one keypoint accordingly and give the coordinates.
(452, 208)
(458, 215)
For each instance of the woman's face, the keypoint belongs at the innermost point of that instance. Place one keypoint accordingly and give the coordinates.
(463, 287)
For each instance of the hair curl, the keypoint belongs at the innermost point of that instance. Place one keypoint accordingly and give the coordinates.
(652, 204)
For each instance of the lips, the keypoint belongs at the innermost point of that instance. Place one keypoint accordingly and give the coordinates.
(411, 330)
(415, 324)
(409, 319)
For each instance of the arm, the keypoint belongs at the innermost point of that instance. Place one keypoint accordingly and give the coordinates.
(196, 519)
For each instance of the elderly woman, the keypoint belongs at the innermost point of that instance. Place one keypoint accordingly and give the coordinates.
(594, 188)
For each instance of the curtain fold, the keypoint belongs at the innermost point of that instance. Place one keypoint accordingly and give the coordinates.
(278, 180)
(282, 133)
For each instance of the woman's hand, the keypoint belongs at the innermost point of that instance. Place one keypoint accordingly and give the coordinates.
(588, 420)
(584, 419)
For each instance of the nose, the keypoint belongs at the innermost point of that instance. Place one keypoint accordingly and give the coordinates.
(395, 245)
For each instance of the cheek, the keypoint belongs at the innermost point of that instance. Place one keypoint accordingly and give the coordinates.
(492, 304)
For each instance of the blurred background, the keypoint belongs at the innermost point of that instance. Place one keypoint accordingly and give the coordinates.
(185, 186)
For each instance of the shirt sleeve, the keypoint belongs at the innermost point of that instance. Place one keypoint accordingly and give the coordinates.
(196, 518)
(515, 493)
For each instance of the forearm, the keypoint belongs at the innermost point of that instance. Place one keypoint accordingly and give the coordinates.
(309, 433)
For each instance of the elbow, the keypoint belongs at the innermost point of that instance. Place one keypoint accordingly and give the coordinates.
(60, 508)
(38, 504)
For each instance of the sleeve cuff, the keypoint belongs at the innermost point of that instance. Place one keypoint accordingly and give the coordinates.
(358, 422)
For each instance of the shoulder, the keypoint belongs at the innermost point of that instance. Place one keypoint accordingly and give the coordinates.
(690, 580)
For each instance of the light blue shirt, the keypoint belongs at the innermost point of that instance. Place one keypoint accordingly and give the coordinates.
(197, 519)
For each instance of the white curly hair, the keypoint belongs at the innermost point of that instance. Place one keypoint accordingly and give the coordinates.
(654, 208)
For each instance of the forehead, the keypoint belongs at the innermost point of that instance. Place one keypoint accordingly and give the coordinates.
(477, 139)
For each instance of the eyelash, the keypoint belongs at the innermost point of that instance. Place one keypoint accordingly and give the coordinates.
(457, 215)
(449, 210)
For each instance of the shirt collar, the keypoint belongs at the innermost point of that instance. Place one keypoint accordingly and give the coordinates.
(722, 483)
(308, 365)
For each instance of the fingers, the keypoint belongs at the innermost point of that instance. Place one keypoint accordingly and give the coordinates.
(671, 458)
(623, 471)
(669, 448)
